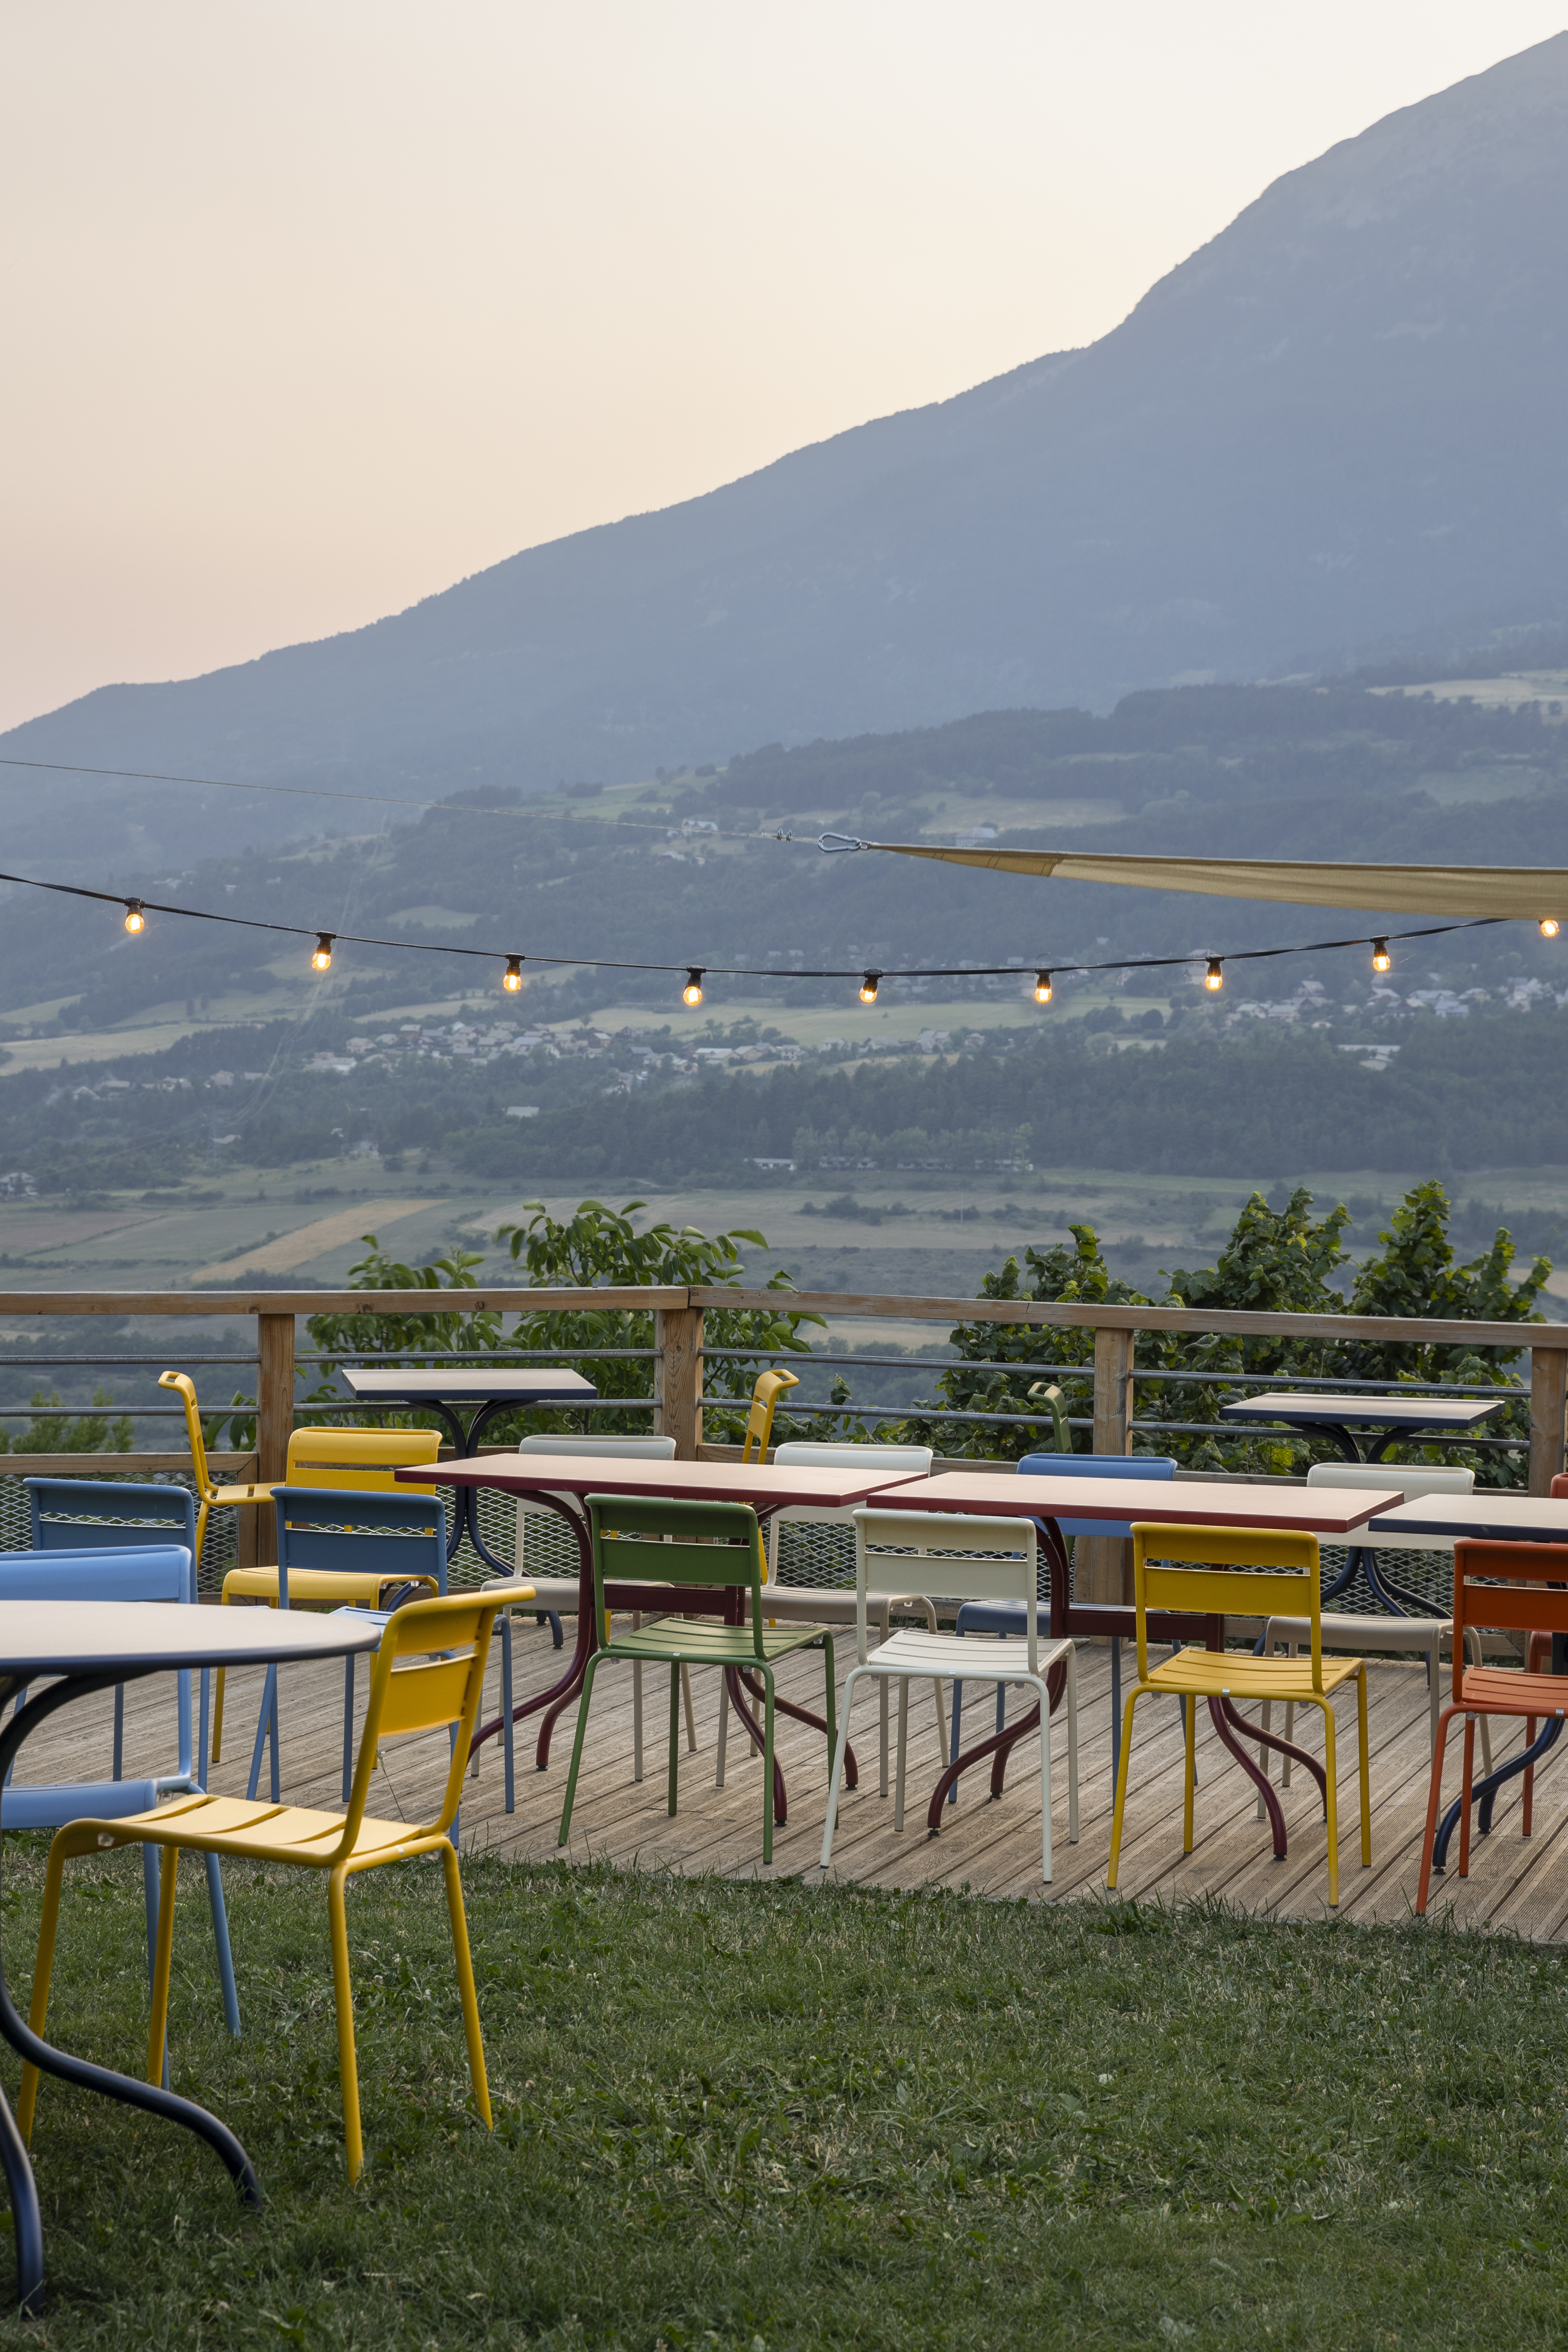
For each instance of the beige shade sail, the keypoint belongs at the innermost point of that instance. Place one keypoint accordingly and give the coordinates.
(1528, 892)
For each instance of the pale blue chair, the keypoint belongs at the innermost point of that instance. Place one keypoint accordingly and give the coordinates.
(992, 1617)
(332, 1540)
(164, 1573)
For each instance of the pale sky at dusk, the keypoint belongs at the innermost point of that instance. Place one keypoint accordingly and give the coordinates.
(314, 305)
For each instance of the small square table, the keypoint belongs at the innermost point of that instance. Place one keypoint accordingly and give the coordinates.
(484, 1395)
(1393, 1418)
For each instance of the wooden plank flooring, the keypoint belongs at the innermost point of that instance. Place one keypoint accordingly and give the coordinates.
(1517, 1884)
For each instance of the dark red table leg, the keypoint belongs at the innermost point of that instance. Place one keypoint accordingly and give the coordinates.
(999, 1747)
(1260, 1779)
(560, 1694)
(1250, 1730)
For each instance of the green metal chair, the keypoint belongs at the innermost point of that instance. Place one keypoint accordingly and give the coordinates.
(706, 1546)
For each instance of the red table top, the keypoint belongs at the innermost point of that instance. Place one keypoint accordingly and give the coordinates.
(762, 1484)
(1313, 1510)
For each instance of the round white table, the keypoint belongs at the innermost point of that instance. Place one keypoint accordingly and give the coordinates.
(91, 1646)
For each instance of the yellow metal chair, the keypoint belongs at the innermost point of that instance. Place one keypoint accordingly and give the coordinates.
(760, 1420)
(363, 1459)
(433, 1696)
(208, 1496)
(1193, 1675)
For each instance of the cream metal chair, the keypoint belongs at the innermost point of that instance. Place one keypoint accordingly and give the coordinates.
(949, 1555)
(1339, 1629)
(811, 1604)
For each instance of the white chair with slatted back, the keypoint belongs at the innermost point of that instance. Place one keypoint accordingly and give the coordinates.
(950, 1557)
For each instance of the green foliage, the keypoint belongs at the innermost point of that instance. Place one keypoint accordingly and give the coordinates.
(56, 1431)
(732, 2115)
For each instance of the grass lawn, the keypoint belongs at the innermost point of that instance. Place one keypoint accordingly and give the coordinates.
(766, 2116)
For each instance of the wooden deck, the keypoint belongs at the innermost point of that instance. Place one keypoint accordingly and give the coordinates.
(1516, 1884)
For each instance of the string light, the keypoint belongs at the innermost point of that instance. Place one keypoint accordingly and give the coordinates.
(868, 988)
(1214, 979)
(512, 979)
(135, 920)
(1549, 926)
(323, 958)
(1042, 988)
(692, 992)
(1381, 959)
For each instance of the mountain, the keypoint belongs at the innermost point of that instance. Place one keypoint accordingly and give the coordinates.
(1336, 426)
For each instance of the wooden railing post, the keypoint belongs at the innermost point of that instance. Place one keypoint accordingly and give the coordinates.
(678, 1378)
(274, 1416)
(1548, 1401)
(1102, 1564)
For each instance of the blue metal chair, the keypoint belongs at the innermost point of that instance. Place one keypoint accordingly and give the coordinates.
(329, 1540)
(164, 1573)
(989, 1617)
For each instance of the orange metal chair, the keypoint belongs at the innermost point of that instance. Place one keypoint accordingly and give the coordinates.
(1503, 1587)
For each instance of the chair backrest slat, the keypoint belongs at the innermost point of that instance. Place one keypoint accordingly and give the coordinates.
(1411, 1482)
(365, 1458)
(642, 1539)
(451, 1637)
(947, 1555)
(362, 1530)
(1273, 1571)
(108, 1515)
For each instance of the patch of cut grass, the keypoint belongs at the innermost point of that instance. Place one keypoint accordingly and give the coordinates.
(743, 2115)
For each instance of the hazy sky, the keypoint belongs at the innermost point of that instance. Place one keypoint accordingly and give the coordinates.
(312, 307)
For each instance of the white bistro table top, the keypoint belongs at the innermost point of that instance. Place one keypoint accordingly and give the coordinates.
(1312, 1510)
(477, 1386)
(1508, 1518)
(84, 1637)
(1309, 1408)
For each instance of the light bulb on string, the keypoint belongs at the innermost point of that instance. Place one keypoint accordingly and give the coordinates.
(1042, 988)
(1381, 959)
(322, 960)
(135, 920)
(1549, 926)
(869, 987)
(1214, 979)
(692, 992)
(512, 979)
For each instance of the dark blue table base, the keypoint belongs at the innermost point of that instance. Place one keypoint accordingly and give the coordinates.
(26, 2220)
(465, 1499)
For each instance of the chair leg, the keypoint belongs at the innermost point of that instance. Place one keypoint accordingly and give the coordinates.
(674, 1734)
(1292, 1649)
(1260, 1812)
(266, 1725)
(1115, 1692)
(220, 1937)
(1435, 1697)
(1072, 1744)
(1363, 1769)
(42, 1967)
(690, 1717)
(466, 1993)
(957, 1721)
(343, 2002)
(882, 1727)
(118, 1772)
(508, 1735)
(636, 1713)
(158, 2029)
(767, 1673)
(835, 1778)
(1467, 1780)
(903, 1750)
(1331, 1798)
(588, 1675)
(1190, 1773)
(941, 1724)
(1123, 1770)
(204, 1727)
(1045, 1781)
(1433, 1804)
(830, 1697)
(724, 1724)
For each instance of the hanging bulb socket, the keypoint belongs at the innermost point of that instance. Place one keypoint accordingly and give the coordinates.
(323, 958)
(135, 920)
(1214, 979)
(1549, 926)
(1381, 959)
(869, 987)
(1042, 988)
(512, 979)
(692, 992)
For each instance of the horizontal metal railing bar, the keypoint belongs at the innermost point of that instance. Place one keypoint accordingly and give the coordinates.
(104, 1363)
(1084, 1372)
(68, 1410)
(390, 1358)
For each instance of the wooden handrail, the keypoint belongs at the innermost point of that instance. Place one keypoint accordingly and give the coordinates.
(513, 1301)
